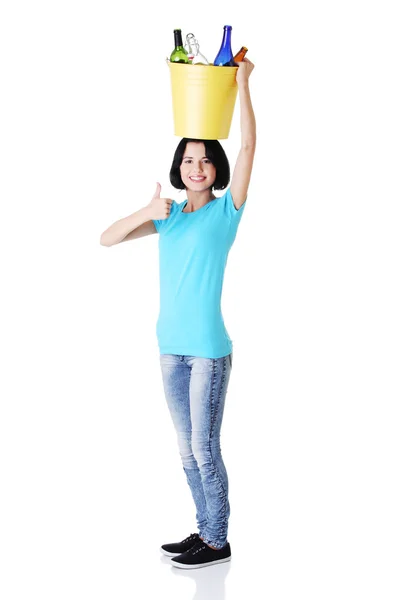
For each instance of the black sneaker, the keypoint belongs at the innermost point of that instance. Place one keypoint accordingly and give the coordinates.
(180, 547)
(201, 555)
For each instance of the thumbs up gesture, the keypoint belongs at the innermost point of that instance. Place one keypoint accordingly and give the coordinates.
(160, 208)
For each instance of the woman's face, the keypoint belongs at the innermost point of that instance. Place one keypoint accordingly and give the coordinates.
(197, 171)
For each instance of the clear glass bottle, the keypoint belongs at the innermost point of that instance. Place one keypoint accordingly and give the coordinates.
(193, 50)
(179, 53)
(224, 57)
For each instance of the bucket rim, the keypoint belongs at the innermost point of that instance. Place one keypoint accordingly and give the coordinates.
(186, 65)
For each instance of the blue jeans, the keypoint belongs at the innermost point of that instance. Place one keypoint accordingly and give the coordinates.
(195, 390)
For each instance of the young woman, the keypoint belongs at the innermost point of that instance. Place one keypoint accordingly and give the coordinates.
(195, 349)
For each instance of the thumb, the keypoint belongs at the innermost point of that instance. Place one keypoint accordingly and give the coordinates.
(158, 191)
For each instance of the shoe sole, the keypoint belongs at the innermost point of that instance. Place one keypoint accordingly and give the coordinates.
(169, 553)
(213, 562)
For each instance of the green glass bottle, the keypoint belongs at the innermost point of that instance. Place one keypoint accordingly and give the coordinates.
(179, 53)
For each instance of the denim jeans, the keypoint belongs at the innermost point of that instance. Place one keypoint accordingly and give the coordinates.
(195, 390)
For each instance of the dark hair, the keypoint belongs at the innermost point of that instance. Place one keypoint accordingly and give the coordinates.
(214, 152)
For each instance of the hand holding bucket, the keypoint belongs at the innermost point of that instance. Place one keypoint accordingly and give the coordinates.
(244, 70)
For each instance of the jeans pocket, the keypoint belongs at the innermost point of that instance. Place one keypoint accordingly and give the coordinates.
(230, 359)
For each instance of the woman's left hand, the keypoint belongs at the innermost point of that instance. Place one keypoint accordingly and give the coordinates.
(244, 70)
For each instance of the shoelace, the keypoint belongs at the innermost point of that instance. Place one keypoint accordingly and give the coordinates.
(197, 548)
(192, 536)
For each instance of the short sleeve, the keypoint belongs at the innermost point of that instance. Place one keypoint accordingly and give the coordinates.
(159, 224)
(230, 209)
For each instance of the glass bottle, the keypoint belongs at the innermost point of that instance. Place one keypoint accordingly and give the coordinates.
(179, 53)
(193, 49)
(240, 55)
(189, 46)
(224, 57)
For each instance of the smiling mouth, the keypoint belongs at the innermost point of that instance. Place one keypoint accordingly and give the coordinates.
(197, 178)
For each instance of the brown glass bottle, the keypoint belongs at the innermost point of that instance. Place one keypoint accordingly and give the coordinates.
(240, 55)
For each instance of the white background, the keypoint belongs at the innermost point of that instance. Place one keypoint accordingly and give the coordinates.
(91, 477)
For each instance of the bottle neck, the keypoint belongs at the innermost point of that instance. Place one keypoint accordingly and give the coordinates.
(178, 38)
(226, 40)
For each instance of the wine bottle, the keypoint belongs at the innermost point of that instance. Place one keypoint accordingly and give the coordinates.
(224, 57)
(240, 55)
(179, 53)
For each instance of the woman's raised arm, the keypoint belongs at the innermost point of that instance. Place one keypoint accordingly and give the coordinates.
(244, 163)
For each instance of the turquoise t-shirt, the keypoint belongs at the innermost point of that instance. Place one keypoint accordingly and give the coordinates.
(193, 250)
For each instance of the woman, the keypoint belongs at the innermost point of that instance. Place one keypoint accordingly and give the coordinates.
(195, 349)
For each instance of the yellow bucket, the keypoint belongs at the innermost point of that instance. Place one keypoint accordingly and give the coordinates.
(203, 100)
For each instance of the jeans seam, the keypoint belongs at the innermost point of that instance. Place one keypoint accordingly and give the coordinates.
(218, 397)
(222, 384)
(213, 395)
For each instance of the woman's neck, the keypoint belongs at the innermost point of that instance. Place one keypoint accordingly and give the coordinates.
(196, 200)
